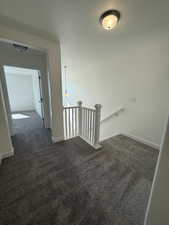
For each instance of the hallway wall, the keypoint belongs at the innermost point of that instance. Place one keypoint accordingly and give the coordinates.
(131, 73)
(6, 148)
(52, 73)
(157, 212)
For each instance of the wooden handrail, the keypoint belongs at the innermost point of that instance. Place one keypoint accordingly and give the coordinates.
(114, 113)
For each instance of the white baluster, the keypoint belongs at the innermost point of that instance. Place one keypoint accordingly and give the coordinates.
(66, 131)
(75, 122)
(93, 126)
(90, 125)
(97, 126)
(80, 117)
(69, 118)
(84, 122)
(72, 123)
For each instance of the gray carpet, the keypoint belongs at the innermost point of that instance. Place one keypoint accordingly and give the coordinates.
(69, 183)
(27, 124)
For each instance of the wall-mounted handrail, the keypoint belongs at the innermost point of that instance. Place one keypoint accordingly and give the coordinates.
(113, 114)
(84, 122)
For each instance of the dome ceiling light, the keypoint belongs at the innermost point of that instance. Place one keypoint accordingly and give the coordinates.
(109, 19)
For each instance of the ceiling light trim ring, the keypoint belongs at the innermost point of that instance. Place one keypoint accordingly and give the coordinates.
(110, 12)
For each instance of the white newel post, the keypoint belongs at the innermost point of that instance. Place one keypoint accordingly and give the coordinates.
(80, 117)
(97, 126)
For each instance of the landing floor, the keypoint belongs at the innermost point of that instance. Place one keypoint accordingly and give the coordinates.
(70, 183)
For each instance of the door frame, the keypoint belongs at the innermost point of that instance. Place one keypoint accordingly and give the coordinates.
(6, 99)
(45, 116)
(41, 98)
(53, 73)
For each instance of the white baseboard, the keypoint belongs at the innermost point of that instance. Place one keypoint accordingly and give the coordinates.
(57, 139)
(6, 155)
(113, 135)
(144, 141)
(98, 146)
(141, 140)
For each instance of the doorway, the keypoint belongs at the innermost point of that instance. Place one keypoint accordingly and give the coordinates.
(24, 99)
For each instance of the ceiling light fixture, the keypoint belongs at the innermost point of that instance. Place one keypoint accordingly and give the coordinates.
(109, 19)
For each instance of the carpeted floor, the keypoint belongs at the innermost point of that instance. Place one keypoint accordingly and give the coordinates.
(23, 125)
(70, 183)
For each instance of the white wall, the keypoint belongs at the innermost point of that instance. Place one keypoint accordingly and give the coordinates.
(158, 208)
(36, 93)
(5, 141)
(20, 92)
(132, 73)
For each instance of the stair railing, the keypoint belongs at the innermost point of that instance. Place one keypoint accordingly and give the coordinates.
(84, 122)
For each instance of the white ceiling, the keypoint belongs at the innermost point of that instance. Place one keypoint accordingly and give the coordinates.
(71, 19)
(76, 22)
